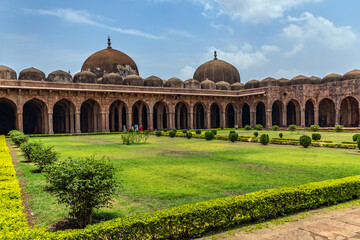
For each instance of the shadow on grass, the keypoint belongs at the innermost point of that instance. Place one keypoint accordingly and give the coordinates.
(36, 171)
(104, 216)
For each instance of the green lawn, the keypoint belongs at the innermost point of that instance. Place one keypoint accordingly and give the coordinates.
(167, 172)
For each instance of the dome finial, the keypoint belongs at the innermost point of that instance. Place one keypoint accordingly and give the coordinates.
(109, 42)
(215, 55)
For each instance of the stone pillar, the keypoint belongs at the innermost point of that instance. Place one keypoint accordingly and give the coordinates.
(67, 122)
(208, 120)
(284, 120)
(170, 120)
(222, 120)
(120, 123)
(112, 126)
(268, 119)
(337, 116)
(252, 118)
(191, 120)
(19, 117)
(129, 120)
(302, 116)
(77, 122)
(72, 129)
(50, 123)
(150, 121)
(316, 116)
(239, 119)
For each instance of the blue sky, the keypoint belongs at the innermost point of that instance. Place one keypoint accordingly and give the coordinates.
(171, 38)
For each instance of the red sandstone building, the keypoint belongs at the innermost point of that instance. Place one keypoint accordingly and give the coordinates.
(108, 95)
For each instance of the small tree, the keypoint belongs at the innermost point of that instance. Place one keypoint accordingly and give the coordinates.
(18, 137)
(259, 127)
(28, 147)
(316, 136)
(264, 139)
(43, 156)
(233, 137)
(189, 135)
(209, 135)
(275, 128)
(82, 184)
(314, 128)
(248, 127)
(172, 133)
(305, 141)
(158, 133)
(338, 128)
(256, 134)
(281, 135)
(292, 128)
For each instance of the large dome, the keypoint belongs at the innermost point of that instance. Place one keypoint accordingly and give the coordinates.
(217, 70)
(110, 61)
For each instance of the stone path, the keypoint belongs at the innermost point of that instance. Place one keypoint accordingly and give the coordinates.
(341, 224)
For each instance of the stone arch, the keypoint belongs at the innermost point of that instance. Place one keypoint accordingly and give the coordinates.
(7, 115)
(118, 116)
(181, 115)
(160, 118)
(35, 117)
(260, 114)
(199, 116)
(309, 113)
(293, 113)
(63, 116)
(245, 114)
(90, 116)
(277, 113)
(140, 112)
(326, 113)
(349, 112)
(229, 116)
(215, 116)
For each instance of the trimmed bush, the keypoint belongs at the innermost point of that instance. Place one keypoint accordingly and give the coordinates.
(198, 131)
(339, 128)
(184, 131)
(305, 141)
(165, 129)
(264, 139)
(281, 135)
(292, 128)
(209, 135)
(314, 128)
(233, 137)
(172, 133)
(147, 132)
(316, 136)
(18, 137)
(355, 137)
(275, 128)
(158, 133)
(248, 127)
(131, 130)
(232, 131)
(214, 131)
(134, 138)
(259, 127)
(43, 156)
(256, 134)
(28, 147)
(189, 135)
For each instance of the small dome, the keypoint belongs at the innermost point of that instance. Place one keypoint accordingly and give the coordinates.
(32, 74)
(332, 78)
(315, 80)
(218, 71)
(269, 81)
(208, 84)
(192, 84)
(174, 83)
(7, 73)
(112, 78)
(133, 80)
(237, 86)
(85, 77)
(252, 84)
(59, 76)
(299, 80)
(354, 74)
(222, 85)
(153, 81)
(283, 82)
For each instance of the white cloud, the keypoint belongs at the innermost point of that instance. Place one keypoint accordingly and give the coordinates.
(187, 72)
(254, 11)
(269, 48)
(179, 33)
(289, 73)
(308, 28)
(222, 27)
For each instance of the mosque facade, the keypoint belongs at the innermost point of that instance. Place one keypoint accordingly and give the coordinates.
(109, 95)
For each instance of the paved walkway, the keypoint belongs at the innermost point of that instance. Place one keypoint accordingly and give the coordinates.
(341, 224)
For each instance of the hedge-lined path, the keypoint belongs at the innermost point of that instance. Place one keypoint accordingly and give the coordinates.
(340, 224)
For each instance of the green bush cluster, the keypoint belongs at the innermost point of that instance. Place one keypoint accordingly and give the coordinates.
(184, 131)
(339, 128)
(172, 133)
(134, 137)
(165, 129)
(43, 156)
(28, 147)
(264, 139)
(275, 128)
(158, 133)
(232, 131)
(189, 135)
(214, 131)
(17, 137)
(305, 141)
(314, 128)
(198, 131)
(259, 127)
(316, 136)
(209, 135)
(248, 127)
(292, 128)
(233, 137)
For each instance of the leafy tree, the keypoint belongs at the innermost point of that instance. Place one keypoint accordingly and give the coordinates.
(305, 141)
(264, 139)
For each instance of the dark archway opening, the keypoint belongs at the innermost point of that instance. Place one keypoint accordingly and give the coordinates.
(7, 116)
(181, 116)
(117, 116)
(326, 113)
(245, 115)
(349, 112)
(199, 116)
(34, 117)
(90, 117)
(230, 116)
(140, 115)
(260, 114)
(63, 117)
(277, 113)
(160, 116)
(291, 114)
(215, 116)
(309, 113)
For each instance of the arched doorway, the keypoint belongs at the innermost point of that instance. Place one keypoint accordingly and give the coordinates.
(117, 116)
(140, 114)
(63, 116)
(349, 112)
(160, 116)
(309, 113)
(293, 113)
(215, 116)
(199, 116)
(181, 116)
(260, 114)
(35, 117)
(7, 115)
(245, 115)
(230, 116)
(90, 116)
(277, 113)
(326, 113)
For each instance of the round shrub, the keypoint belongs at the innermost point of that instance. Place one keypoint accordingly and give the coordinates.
(316, 136)
(18, 137)
(233, 137)
(338, 128)
(184, 131)
(214, 131)
(209, 135)
(275, 128)
(43, 156)
(305, 141)
(198, 131)
(131, 130)
(281, 135)
(248, 127)
(292, 128)
(259, 127)
(264, 139)
(256, 134)
(172, 133)
(175, 130)
(232, 131)
(158, 133)
(355, 137)
(165, 129)
(146, 132)
(314, 128)
(28, 148)
(189, 135)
